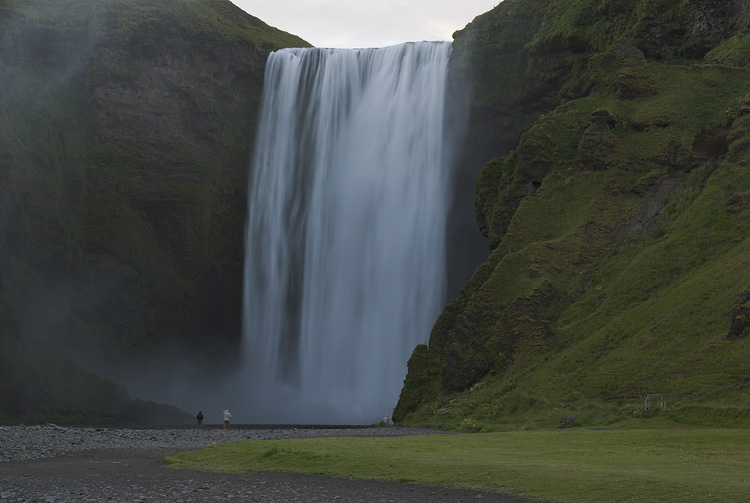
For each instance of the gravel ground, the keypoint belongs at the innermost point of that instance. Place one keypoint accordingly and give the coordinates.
(54, 464)
(36, 442)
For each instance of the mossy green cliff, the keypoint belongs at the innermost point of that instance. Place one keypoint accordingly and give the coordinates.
(125, 131)
(617, 212)
(615, 199)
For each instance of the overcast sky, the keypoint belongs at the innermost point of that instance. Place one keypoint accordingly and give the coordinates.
(367, 23)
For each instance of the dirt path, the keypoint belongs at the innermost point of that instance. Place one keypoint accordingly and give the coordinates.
(138, 475)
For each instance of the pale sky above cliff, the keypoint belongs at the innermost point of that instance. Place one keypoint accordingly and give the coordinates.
(367, 23)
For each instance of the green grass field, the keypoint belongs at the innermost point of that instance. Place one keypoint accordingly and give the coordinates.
(575, 465)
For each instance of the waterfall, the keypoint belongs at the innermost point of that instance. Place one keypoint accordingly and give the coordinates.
(345, 240)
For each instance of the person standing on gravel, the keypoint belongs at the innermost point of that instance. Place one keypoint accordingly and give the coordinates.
(199, 417)
(227, 417)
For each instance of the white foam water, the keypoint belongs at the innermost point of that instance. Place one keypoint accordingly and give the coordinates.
(345, 244)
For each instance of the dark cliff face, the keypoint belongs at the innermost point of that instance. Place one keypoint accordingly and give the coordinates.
(618, 131)
(125, 134)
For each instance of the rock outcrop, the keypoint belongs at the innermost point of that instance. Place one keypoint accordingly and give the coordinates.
(740, 326)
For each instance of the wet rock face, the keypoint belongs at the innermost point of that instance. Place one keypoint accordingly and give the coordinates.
(740, 326)
(599, 148)
(713, 21)
(174, 96)
(466, 359)
(738, 203)
(168, 111)
(710, 145)
(698, 29)
(135, 155)
(534, 157)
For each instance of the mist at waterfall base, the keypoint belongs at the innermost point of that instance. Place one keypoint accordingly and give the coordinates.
(345, 244)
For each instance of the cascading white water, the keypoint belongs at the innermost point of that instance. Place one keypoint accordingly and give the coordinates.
(345, 244)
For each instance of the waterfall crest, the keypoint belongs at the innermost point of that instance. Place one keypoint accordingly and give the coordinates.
(345, 241)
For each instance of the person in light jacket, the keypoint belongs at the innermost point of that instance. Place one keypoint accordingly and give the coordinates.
(227, 417)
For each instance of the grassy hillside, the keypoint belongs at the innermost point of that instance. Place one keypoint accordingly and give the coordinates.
(618, 224)
(125, 131)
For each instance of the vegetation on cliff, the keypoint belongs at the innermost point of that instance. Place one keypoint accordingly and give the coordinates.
(125, 130)
(618, 221)
(616, 206)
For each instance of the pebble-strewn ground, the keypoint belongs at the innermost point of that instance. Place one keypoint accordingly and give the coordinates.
(54, 464)
(34, 442)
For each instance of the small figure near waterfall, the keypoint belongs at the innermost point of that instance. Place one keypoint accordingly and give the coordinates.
(199, 418)
(227, 417)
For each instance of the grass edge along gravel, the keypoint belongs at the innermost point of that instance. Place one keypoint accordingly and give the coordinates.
(572, 465)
